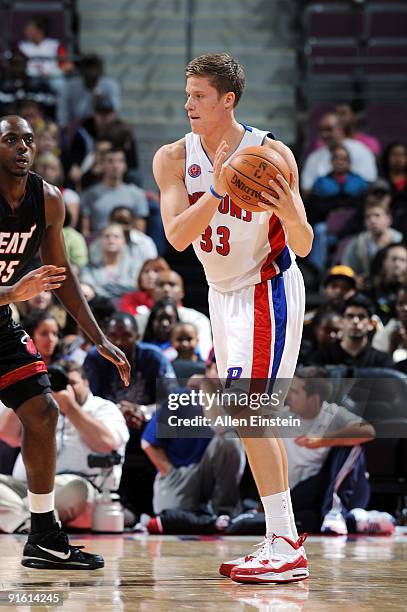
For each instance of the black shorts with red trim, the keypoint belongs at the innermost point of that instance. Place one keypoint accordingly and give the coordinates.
(23, 374)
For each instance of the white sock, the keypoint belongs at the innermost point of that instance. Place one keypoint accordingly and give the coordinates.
(41, 502)
(277, 516)
(278, 520)
(291, 515)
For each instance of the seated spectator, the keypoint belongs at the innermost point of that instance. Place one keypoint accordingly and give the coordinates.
(349, 118)
(338, 190)
(43, 335)
(48, 139)
(114, 275)
(50, 168)
(90, 171)
(137, 401)
(184, 339)
(196, 474)
(47, 57)
(43, 302)
(394, 170)
(161, 321)
(340, 181)
(77, 98)
(389, 273)
(16, 86)
(318, 163)
(75, 244)
(98, 202)
(325, 327)
(169, 284)
(353, 348)
(361, 250)
(33, 112)
(142, 300)
(87, 424)
(338, 286)
(141, 247)
(103, 125)
(326, 465)
(392, 338)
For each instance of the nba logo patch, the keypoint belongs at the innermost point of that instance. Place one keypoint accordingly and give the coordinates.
(233, 374)
(194, 170)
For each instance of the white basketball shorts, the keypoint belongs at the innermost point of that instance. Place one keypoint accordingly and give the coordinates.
(257, 330)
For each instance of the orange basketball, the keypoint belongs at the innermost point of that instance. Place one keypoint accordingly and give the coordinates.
(249, 172)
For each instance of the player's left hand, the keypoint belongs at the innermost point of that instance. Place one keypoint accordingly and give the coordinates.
(112, 353)
(287, 205)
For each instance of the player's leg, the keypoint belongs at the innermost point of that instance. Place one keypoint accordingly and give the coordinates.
(29, 395)
(39, 416)
(287, 304)
(276, 330)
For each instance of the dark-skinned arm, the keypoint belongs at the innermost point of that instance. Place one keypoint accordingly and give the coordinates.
(69, 293)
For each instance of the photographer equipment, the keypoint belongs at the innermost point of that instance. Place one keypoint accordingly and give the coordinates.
(58, 378)
(108, 515)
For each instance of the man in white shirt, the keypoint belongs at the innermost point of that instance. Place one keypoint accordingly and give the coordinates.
(335, 488)
(323, 425)
(318, 163)
(87, 424)
(47, 58)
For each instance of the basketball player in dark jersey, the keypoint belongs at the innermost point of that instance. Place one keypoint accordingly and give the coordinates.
(31, 219)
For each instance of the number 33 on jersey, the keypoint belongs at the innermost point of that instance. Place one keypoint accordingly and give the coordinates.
(238, 248)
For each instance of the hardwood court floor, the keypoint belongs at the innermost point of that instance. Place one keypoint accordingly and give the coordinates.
(154, 574)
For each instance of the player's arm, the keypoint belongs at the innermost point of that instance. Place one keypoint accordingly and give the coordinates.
(288, 206)
(184, 223)
(69, 293)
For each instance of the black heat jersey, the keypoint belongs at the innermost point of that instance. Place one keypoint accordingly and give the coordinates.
(21, 235)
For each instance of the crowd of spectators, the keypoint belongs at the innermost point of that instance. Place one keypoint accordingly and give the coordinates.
(356, 198)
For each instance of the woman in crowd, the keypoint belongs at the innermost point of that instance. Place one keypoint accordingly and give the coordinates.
(42, 327)
(140, 300)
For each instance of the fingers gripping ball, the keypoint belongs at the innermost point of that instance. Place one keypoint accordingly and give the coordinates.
(249, 172)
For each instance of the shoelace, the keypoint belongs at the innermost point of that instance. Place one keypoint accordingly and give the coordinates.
(62, 539)
(265, 548)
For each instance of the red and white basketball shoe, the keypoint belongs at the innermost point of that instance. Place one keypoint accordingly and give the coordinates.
(226, 568)
(271, 566)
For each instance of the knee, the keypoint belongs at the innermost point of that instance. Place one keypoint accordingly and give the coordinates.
(39, 414)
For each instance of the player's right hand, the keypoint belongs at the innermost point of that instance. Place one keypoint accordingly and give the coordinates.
(219, 183)
(45, 278)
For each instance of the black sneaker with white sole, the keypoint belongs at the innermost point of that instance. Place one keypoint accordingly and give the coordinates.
(51, 550)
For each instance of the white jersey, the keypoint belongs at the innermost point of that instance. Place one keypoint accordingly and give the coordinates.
(239, 248)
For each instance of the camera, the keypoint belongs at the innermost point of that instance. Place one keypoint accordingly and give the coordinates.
(104, 460)
(58, 378)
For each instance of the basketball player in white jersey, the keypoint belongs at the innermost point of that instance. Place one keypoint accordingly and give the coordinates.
(256, 291)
